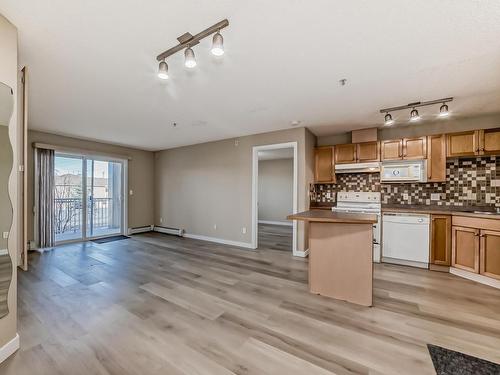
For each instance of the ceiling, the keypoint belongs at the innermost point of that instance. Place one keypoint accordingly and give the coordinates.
(93, 70)
(281, 153)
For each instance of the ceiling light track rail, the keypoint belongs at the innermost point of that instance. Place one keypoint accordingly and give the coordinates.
(417, 104)
(187, 40)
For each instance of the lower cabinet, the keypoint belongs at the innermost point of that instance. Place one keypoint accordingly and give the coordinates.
(490, 253)
(465, 248)
(440, 241)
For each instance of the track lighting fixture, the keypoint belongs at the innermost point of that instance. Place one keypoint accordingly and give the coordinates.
(388, 121)
(190, 59)
(187, 41)
(217, 44)
(414, 115)
(443, 110)
(163, 70)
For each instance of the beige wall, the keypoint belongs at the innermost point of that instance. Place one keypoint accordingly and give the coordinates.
(9, 76)
(275, 189)
(439, 126)
(140, 175)
(199, 186)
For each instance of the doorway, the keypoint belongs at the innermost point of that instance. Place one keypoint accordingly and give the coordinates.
(88, 197)
(274, 196)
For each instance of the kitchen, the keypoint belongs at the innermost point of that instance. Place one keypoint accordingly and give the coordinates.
(435, 197)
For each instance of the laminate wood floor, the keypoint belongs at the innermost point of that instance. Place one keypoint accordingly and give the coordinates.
(275, 237)
(158, 304)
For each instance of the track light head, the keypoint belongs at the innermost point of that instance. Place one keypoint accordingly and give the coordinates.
(414, 116)
(217, 44)
(190, 59)
(163, 70)
(443, 110)
(388, 121)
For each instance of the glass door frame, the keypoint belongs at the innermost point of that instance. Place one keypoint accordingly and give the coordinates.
(124, 190)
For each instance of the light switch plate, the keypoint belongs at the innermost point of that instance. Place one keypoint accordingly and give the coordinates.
(5, 235)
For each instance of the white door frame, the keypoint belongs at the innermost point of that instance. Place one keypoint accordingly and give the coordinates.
(255, 190)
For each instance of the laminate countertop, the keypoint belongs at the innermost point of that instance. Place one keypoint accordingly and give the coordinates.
(327, 216)
(479, 212)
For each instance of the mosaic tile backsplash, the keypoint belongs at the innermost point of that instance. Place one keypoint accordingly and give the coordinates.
(469, 182)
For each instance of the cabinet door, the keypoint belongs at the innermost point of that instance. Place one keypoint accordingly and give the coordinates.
(490, 254)
(345, 154)
(368, 151)
(440, 240)
(324, 165)
(489, 141)
(465, 248)
(462, 144)
(392, 150)
(436, 158)
(415, 148)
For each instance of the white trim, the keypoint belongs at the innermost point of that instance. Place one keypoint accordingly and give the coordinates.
(125, 196)
(144, 229)
(255, 191)
(4, 252)
(302, 254)
(271, 222)
(476, 277)
(219, 240)
(10, 348)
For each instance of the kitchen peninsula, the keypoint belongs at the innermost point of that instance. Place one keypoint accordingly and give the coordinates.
(340, 254)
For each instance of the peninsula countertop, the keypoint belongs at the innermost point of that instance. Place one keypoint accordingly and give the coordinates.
(326, 216)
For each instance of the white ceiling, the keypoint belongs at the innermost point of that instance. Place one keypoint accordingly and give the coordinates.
(93, 68)
(281, 153)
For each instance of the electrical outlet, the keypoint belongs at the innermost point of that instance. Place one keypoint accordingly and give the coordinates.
(131, 192)
(244, 230)
(435, 196)
(215, 226)
(161, 220)
(5, 235)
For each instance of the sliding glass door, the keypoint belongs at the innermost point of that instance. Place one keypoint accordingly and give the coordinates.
(104, 194)
(88, 201)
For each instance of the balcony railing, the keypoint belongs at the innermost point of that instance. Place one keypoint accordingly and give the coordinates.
(68, 214)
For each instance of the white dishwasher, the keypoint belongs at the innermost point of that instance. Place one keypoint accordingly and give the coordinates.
(405, 239)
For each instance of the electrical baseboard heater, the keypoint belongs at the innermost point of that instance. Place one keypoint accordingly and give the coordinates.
(167, 230)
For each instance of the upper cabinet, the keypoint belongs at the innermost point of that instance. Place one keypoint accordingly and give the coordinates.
(436, 158)
(324, 171)
(345, 154)
(489, 141)
(462, 144)
(368, 152)
(404, 149)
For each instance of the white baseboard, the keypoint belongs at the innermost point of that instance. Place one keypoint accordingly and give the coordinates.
(4, 252)
(144, 229)
(476, 277)
(302, 254)
(218, 240)
(271, 222)
(10, 348)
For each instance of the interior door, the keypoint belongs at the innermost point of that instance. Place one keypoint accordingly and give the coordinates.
(104, 198)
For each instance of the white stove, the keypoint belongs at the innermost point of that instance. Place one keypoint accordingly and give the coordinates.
(363, 202)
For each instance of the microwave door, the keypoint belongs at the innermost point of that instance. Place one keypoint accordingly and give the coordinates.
(397, 173)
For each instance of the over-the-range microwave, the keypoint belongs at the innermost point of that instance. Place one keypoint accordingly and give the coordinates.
(404, 171)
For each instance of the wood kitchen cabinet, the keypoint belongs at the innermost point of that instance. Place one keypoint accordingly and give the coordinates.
(436, 158)
(462, 144)
(345, 154)
(489, 141)
(404, 149)
(392, 150)
(440, 240)
(324, 171)
(368, 152)
(490, 253)
(465, 248)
